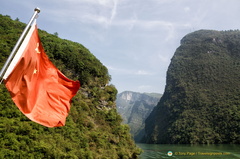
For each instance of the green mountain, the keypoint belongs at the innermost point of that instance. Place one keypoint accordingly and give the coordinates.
(134, 108)
(201, 102)
(93, 128)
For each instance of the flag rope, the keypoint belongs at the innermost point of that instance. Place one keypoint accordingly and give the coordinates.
(1, 81)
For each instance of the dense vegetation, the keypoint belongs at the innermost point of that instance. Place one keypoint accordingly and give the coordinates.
(201, 102)
(93, 128)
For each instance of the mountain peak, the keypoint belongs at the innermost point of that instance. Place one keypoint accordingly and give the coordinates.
(201, 101)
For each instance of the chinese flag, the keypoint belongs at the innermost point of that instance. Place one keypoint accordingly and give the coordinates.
(37, 87)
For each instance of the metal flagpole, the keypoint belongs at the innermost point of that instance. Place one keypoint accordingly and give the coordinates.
(11, 56)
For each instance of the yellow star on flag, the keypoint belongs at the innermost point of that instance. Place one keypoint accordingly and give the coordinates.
(35, 71)
(37, 49)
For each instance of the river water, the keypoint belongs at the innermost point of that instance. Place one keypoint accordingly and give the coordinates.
(157, 151)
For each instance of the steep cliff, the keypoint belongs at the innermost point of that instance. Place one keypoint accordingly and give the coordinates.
(201, 102)
(134, 108)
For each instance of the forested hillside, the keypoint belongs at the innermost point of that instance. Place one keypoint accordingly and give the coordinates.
(93, 128)
(201, 102)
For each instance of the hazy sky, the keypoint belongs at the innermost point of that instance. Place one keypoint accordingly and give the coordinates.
(134, 39)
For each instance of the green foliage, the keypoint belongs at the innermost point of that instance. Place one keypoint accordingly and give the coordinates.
(93, 128)
(201, 102)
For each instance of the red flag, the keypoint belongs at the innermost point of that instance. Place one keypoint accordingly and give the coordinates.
(37, 87)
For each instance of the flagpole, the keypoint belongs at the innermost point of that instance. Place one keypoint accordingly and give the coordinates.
(11, 56)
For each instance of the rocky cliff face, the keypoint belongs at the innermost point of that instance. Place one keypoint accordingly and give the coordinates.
(201, 102)
(134, 108)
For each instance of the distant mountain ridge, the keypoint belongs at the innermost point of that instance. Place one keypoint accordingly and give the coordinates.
(201, 102)
(134, 108)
